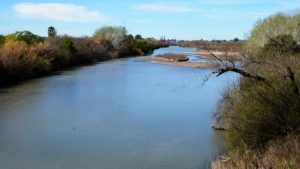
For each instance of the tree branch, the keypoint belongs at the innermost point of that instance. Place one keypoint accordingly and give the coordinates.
(241, 72)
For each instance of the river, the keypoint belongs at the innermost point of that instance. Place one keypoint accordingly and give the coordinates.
(119, 114)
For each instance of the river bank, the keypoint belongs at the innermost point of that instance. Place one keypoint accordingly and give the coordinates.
(25, 55)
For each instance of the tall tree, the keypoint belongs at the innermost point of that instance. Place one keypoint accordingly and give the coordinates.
(113, 34)
(138, 36)
(51, 31)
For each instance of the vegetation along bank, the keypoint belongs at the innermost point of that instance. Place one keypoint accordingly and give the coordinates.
(261, 112)
(24, 55)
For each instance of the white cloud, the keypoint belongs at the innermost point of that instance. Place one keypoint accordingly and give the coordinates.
(56, 12)
(163, 7)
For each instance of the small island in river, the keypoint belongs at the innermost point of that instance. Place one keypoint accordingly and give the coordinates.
(178, 60)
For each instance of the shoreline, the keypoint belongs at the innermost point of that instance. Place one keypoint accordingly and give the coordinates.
(182, 63)
(8, 81)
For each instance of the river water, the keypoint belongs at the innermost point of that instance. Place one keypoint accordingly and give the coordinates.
(120, 114)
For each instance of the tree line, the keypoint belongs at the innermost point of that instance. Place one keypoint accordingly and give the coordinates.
(25, 55)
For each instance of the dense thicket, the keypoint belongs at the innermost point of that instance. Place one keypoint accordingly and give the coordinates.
(265, 104)
(25, 55)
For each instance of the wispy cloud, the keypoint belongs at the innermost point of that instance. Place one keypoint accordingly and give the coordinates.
(56, 12)
(163, 7)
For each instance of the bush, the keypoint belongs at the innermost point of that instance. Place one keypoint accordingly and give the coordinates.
(90, 50)
(272, 27)
(68, 50)
(66, 45)
(280, 154)
(145, 46)
(19, 61)
(258, 113)
(25, 36)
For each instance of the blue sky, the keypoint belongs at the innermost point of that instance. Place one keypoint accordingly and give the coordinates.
(189, 19)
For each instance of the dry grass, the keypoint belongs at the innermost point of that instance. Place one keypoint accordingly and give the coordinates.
(281, 154)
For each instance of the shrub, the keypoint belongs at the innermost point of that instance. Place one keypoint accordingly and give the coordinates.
(25, 36)
(19, 60)
(280, 154)
(258, 113)
(271, 27)
(90, 50)
(259, 110)
(144, 46)
(67, 47)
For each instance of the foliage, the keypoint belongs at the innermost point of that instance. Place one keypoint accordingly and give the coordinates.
(138, 36)
(272, 27)
(90, 50)
(67, 46)
(23, 56)
(258, 113)
(227, 46)
(114, 34)
(130, 46)
(280, 154)
(265, 105)
(51, 32)
(25, 36)
(18, 60)
(145, 46)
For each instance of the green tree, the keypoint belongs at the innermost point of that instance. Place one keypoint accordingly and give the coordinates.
(138, 36)
(272, 27)
(25, 36)
(51, 31)
(236, 39)
(114, 34)
(265, 105)
(67, 46)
